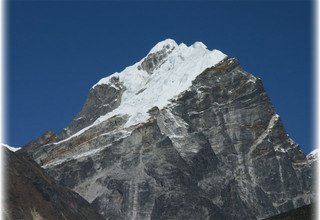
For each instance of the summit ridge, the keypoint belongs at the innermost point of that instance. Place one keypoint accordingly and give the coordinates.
(163, 74)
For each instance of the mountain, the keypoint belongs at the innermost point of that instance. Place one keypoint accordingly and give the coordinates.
(32, 194)
(185, 133)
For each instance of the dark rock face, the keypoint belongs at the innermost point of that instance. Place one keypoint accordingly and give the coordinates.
(32, 194)
(217, 151)
(236, 116)
(305, 212)
(154, 60)
(101, 100)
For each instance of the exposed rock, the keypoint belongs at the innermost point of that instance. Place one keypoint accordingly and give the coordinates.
(32, 194)
(101, 100)
(154, 60)
(218, 150)
(46, 138)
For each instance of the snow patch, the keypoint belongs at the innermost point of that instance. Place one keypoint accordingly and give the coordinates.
(313, 155)
(74, 157)
(262, 137)
(13, 149)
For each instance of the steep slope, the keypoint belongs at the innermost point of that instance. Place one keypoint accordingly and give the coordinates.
(185, 133)
(164, 73)
(32, 194)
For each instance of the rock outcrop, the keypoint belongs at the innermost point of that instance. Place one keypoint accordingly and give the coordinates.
(32, 194)
(46, 138)
(178, 136)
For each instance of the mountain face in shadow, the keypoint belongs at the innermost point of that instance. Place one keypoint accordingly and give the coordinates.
(32, 194)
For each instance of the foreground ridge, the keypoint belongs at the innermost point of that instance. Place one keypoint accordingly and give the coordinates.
(32, 194)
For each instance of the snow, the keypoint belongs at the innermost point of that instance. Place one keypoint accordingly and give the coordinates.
(116, 134)
(115, 87)
(175, 75)
(313, 155)
(265, 134)
(74, 157)
(314, 152)
(11, 148)
(168, 42)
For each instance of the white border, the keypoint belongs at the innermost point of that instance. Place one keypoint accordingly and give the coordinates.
(2, 104)
(316, 96)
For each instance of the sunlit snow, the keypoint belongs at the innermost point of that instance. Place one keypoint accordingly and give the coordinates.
(174, 76)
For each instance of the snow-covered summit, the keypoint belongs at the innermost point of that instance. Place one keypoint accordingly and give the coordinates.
(180, 52)
(174, 75)
(169, 43)
(164, 73)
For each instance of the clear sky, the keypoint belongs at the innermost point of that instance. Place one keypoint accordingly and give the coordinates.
(58, 50)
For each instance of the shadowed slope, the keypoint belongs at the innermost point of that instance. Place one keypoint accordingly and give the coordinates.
(31, 194)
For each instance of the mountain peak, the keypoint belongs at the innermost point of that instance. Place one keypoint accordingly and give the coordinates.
(199, 44)
(165, 44)
(166, 71)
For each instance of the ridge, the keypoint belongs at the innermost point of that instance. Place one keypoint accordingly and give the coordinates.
(169, 43)
(166, 71)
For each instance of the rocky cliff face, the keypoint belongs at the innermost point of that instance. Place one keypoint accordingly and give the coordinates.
(32, 194)
(185, 133)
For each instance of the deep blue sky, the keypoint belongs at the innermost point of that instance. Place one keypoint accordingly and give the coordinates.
(58, 50)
